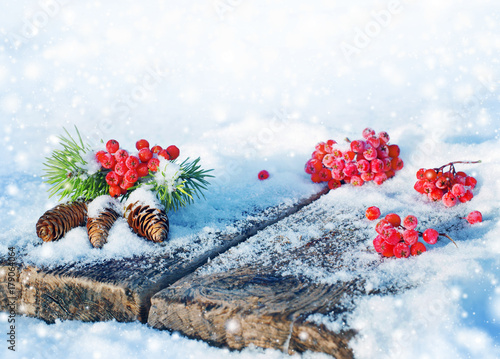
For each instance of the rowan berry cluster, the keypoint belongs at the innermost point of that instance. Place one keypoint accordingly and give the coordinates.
(400, 238)
(446, 184)
(126, 169)
(369, 159)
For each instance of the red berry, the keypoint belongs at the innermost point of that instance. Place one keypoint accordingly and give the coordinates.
(393, 219)
(141, 144)
(430, 235)
(173, 152)
(357, 181)
(145, 154)
(387, 250)
(125, 185)
(100, 155)
(410, 236)
(328, 160)
(449, 199)
(316, 178)
(390, 174)
(383, 151)
(370, 153)
(372, 213)
(394, 151)
(338, 164)
(377, 244)
(153, 164)
(377, 165)
(367, 132)
(397, 164)
(367, 176)
(108, 161)
(132, 162)
(348, 155)
(421, 174)
(334, 184)
(112, 146)
(381, 225)
(430, 174)
(337, 153)
(410, 222)
(470, 181)
(384, 137)
(417, 249)
(131, 176)
(312, 166)
(325, 174)
(374, 141)
(112, 178)
(357, 146)
(156, 149)
(458, 190)
(115, 191)
(442, 182)
(338, 175)
(474, 217)
(265, 175)
(466, 197)
(402, 250)
(317, 155)
(436, 194)
(142, 170)
(379, 178)
(121, 155)
(419, 186)
(121, 168)
(350, 169)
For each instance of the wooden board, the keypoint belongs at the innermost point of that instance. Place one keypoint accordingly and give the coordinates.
(121, 289)
(10, 289)
(253, 302)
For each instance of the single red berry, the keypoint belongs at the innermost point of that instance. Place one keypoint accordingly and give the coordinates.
(334, 184)
(402, 250)
(125, 185)
(421, 174)
(379, 178)
(132, 162)
(390, 174)
(449, 199)
(112, 178)
(410, 236)
(394, 238)
(377, 165)
(387, 250)
(348, 155)
(156, 149)
(377, 243)
(338, 174)
(410, 222)
(466, 197)
(337, 153)
(397, 164)
(372, 213)
(115, 191)
(142, 170)
(367, 176)
(350, 169)
(383, 151)
(393, 219)
(374, 141)
(328, 160)
(470, 181)
(367, 132)
(153, 164)
(474, 217)
(108, 161)
(320, 147)
(265, 175)
(381, 225)
(442, 182)
(141, 144)
(430, 235)
(173, 152)
(331, 142)
(338, 164)
(357, 181)
(312, 166)
(370, 153)
(100, 155)
(316, 178)
(145, 154)
(384, 137)
(131, 176)
(394, 151)
(318, 155)
(430, 174)
(436, 195)
(417, 249)
(419, 186)
(325, 174)
(357, 146)
(121, 155)
(112, 146)
(121, 168)
(458, 190)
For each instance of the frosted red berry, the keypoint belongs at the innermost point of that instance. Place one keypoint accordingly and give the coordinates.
(372, 213)
(141, 144)
(394, 151)
(402, 250)
(367, 132)
(173, 152)
(410, 222)
(121, 168)
(131, 176)
(132, 162)
(115, 191)
(474, 217)
(121, 155)
(108, 161)
(393, 219)
(430, 235)
(112, 178)
(112, 146)
(156, 149)
(410, 236)
(449, 199)
(417, 249)
(153, 164)
(142, 170)
(145, 154)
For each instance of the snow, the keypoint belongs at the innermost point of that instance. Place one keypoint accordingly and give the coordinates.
(252, 85)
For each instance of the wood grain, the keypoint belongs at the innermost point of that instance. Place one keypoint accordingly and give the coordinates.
(121, 289)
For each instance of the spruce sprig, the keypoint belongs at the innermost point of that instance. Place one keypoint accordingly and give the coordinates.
(65, 171)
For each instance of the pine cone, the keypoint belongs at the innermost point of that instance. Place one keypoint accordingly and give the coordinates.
(56, 222)
(148, 222)
(98, 228)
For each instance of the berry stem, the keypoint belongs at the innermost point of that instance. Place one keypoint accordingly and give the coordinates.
(347, 140)
(451, 164)
(447, 236)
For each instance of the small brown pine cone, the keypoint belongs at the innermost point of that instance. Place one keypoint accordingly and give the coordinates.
(148, 222)
(56, 222)
(98, 227)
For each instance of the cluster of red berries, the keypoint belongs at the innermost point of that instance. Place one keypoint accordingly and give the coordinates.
(368, 159)
(446, 184)
(400, 240)
(126, 169)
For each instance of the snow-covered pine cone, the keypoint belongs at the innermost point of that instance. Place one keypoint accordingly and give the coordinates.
(148, 222)
(56, 222)
(98, 227)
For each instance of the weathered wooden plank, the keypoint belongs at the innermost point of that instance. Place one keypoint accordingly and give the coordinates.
(10, 289)
(256, 293)
(121, 289)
